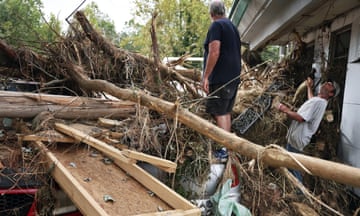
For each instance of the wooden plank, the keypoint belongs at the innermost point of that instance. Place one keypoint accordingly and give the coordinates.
(163, 164)
(116, 135)
(81, 198)
(110, 151)
(90, 129)
(110, 122)
(191, 212)
(48, 136)
(93, 131)
(35, 137)
(160, 189)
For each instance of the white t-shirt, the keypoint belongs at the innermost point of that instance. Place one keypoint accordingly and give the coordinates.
(300, 133)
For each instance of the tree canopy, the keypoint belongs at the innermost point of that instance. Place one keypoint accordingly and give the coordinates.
(102, 22)
(181, 26)
(22, 23)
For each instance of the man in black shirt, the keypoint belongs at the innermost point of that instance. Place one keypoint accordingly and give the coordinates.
(222, 66)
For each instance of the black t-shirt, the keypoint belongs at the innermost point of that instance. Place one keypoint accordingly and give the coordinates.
(228, 65)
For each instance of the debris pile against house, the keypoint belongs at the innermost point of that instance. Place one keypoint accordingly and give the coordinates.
(88, 117)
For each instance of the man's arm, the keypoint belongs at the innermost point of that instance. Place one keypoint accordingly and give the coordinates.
(213, 56)
(289, 113)
(309, 84)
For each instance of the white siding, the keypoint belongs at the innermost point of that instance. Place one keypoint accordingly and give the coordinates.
(349, 148)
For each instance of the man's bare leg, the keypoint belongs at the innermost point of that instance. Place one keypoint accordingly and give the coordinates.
(224, 121)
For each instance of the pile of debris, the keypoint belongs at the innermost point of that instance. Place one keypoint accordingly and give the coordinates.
(132, 110)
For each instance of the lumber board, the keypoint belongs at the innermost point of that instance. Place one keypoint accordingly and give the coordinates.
(163, 164)
(191, 212)
(95, 132)
(48, 136)
(82, 199)
(160, 189)
(111, 151)
(109, 122)
(90, 129)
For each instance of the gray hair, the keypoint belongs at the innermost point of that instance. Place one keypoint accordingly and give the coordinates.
(217, 8)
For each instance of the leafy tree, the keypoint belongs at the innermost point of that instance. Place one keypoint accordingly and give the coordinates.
(270, 53)
(181, 26)
(50, 29)
(101, 22)
(22, 23)
(19, 20)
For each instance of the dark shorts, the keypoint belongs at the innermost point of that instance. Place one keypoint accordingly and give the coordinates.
(221, 101)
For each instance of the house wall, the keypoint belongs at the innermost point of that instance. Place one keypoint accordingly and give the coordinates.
(349, 148)
(349, 143)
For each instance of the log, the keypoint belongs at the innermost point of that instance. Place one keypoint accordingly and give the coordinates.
(25, 58)
(7, 54)
(275, 157)
(29, 105)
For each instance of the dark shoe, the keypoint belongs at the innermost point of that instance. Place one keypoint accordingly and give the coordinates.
(221, 155)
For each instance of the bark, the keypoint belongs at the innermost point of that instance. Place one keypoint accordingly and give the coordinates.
(30, 64)
(275, 157)
(29, 105)
(7, 53)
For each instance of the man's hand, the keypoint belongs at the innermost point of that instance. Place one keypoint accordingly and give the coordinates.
(205, 85)
(282, 108)
(293, 115)
(309, 82)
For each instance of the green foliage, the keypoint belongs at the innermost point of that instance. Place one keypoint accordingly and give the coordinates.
(50, 29)
(181, 27)
(19, 20)
(22, 24)
(270, 53)
(101, 22)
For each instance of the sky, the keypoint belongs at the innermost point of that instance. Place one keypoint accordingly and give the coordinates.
(118, 11)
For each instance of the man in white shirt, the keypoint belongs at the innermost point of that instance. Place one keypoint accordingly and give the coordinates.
(306, 120)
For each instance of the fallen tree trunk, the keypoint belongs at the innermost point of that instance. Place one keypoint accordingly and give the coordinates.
(7, 53)
(275, 157)
(29, 105)
(24, 58)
